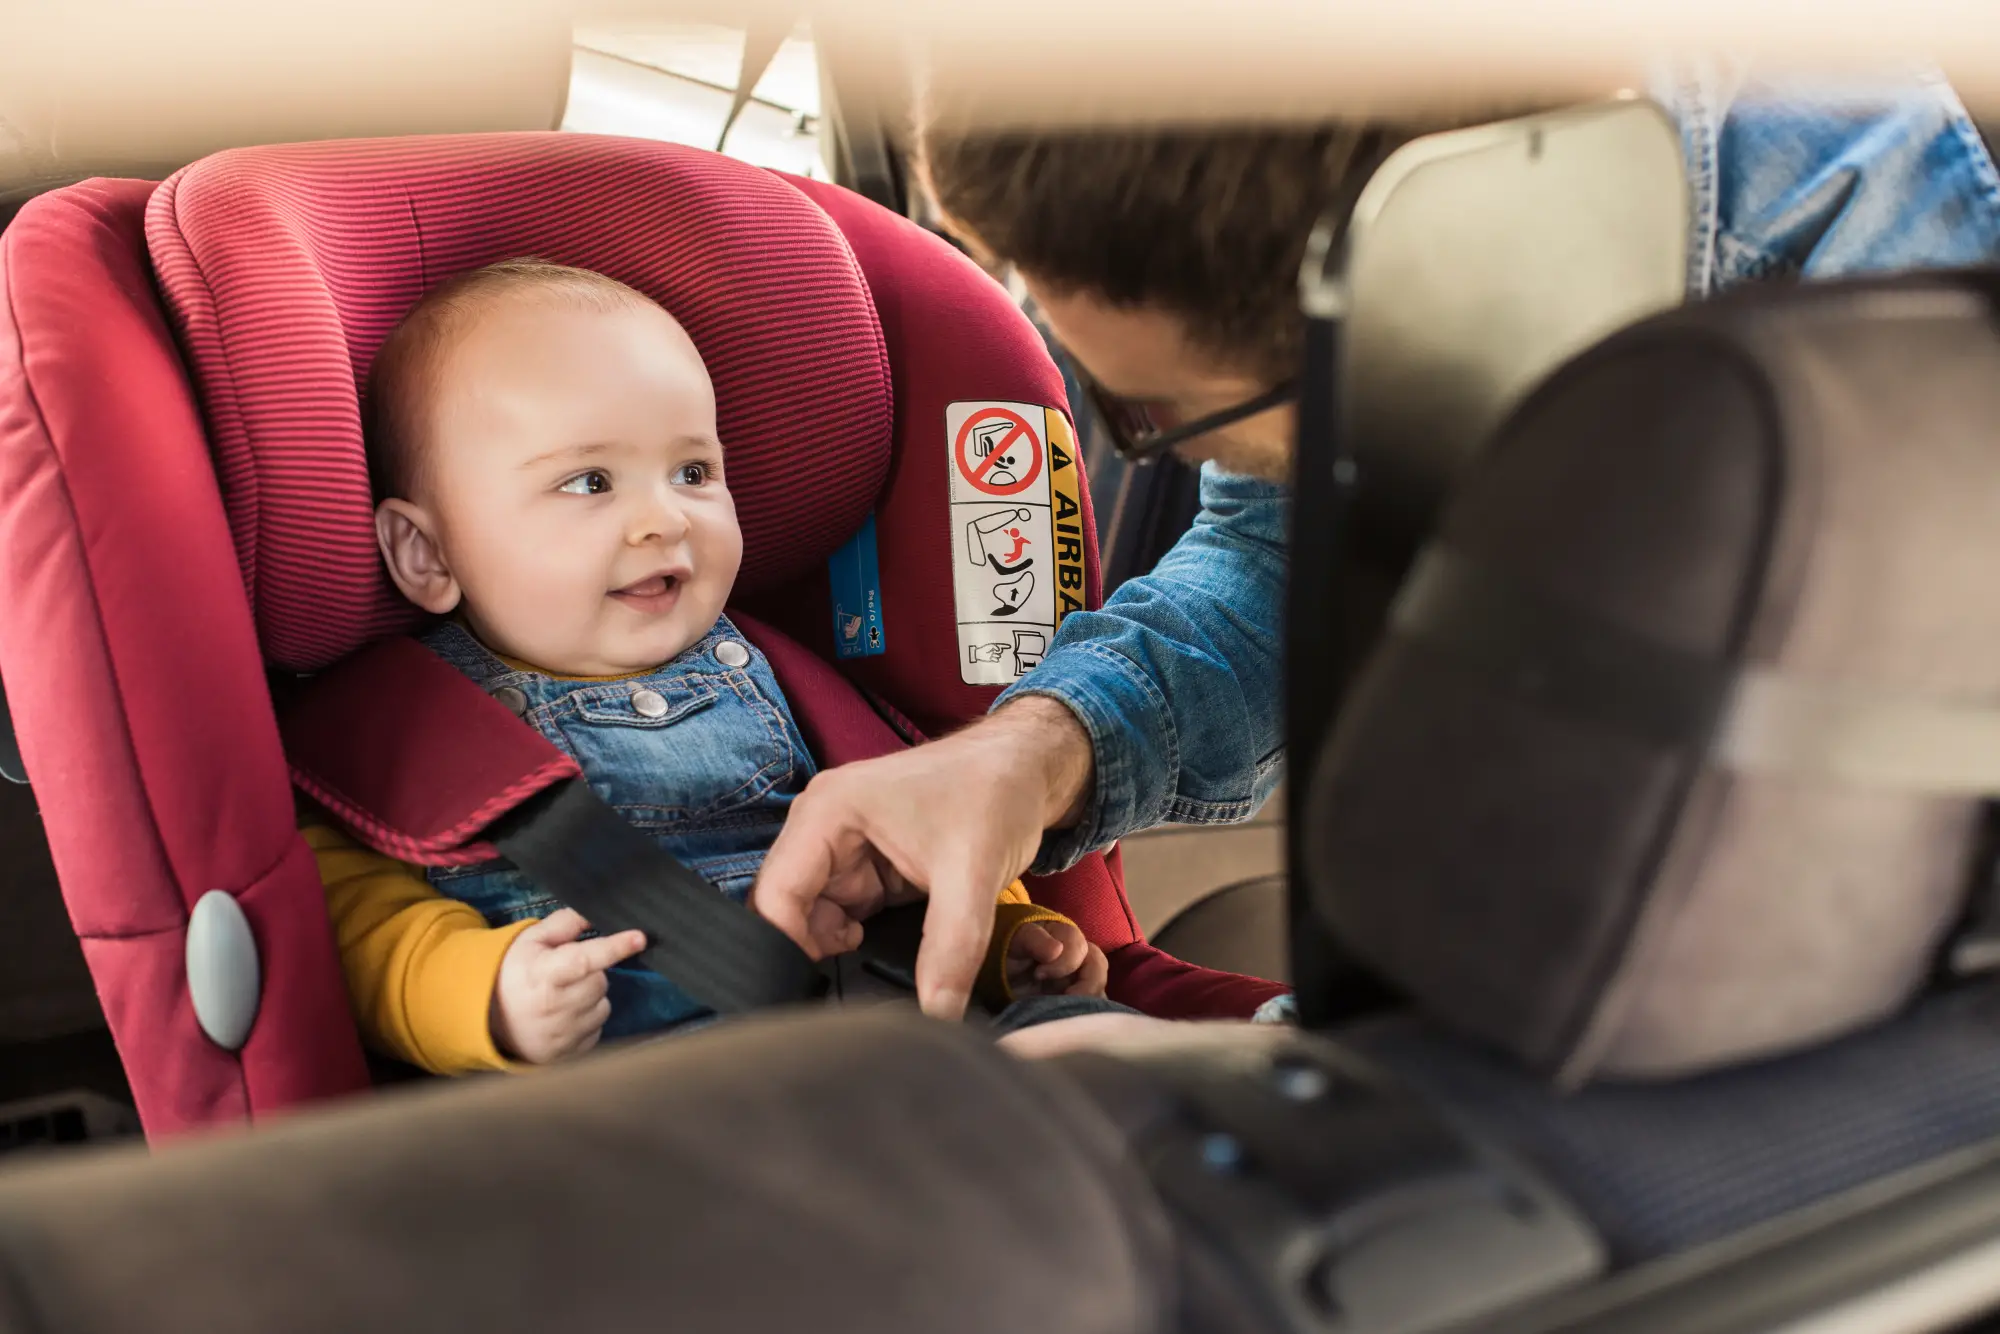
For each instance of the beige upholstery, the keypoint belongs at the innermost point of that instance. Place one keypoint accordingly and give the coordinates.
(89, 88)
(1791, 909)
(1589, 801)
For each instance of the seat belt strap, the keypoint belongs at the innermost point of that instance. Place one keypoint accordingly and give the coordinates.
(420, 763)
(570, 842)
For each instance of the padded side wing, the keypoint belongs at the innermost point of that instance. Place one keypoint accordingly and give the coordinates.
(411, 756)
(953, 335)
(135, 680)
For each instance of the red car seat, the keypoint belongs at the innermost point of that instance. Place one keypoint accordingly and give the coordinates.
(184, 508)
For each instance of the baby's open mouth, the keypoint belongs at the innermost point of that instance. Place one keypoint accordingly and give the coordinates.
(650, 592)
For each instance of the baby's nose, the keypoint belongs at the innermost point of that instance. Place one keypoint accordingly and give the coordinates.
(659, 517)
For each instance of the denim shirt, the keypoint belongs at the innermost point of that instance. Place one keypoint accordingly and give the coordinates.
(1177, 678)
(703, 755)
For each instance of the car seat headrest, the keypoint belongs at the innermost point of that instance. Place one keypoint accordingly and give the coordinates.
(1674, 753)
(1480, 259)
(285, 267)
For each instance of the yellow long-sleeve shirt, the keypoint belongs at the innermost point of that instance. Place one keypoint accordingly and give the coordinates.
(421, 967)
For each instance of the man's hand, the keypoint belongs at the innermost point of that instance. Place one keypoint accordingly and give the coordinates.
(958, 819)
(549, 1001)
(1053, 959)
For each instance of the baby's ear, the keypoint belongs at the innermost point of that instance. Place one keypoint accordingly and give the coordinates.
(407, 536)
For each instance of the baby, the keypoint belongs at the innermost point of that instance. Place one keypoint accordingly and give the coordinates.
(543, 441)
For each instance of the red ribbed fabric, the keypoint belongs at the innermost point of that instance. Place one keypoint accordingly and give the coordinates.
(953, 335)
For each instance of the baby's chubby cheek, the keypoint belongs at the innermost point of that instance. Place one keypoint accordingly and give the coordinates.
(554, 624)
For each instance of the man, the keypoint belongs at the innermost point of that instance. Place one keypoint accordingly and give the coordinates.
(1166, 263)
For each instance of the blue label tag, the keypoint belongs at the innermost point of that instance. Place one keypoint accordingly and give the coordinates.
(857, 595)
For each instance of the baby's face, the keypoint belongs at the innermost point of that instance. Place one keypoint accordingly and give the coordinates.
(574, 478)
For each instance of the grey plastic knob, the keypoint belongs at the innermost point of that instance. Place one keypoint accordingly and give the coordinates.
(225, 979)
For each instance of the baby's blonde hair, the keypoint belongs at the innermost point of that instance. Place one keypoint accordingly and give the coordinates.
(403, 378)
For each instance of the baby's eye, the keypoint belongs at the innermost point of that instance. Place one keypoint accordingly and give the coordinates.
(691, 474)
(593, 483)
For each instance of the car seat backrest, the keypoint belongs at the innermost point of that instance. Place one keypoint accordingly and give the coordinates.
(1675, 751)
(1477, 261)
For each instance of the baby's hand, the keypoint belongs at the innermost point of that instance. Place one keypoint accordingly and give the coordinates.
(1053, 959)
(550, 999)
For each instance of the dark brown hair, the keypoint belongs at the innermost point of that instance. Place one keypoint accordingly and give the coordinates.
(404, 375)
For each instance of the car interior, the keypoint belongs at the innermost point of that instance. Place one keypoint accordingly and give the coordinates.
(1673, 1014)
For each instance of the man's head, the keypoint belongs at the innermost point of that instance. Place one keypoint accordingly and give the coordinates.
(545, 455)
(1165, 261)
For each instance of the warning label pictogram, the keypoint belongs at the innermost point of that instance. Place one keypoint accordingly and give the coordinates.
(997, 450)
(1016, 534)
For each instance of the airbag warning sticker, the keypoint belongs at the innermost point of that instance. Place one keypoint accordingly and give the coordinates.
(1017, 534)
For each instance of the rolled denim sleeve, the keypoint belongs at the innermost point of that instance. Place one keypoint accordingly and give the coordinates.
(1808, 178)
(1177, 677)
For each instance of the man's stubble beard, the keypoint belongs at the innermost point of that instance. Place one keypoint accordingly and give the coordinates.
(1267, 462)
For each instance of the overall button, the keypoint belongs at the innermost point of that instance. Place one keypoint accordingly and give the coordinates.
(649, 703)
(732, 654)
(513, 699)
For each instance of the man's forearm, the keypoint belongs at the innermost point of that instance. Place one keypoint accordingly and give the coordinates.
(1045, 744)
(1174, 681)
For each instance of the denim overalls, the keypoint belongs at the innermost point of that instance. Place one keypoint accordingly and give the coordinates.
(701, 753)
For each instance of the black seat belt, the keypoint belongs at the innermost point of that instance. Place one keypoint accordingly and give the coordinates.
(11, 767)
(571, 843)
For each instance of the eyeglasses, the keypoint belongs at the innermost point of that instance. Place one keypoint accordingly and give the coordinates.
(1140, 438)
